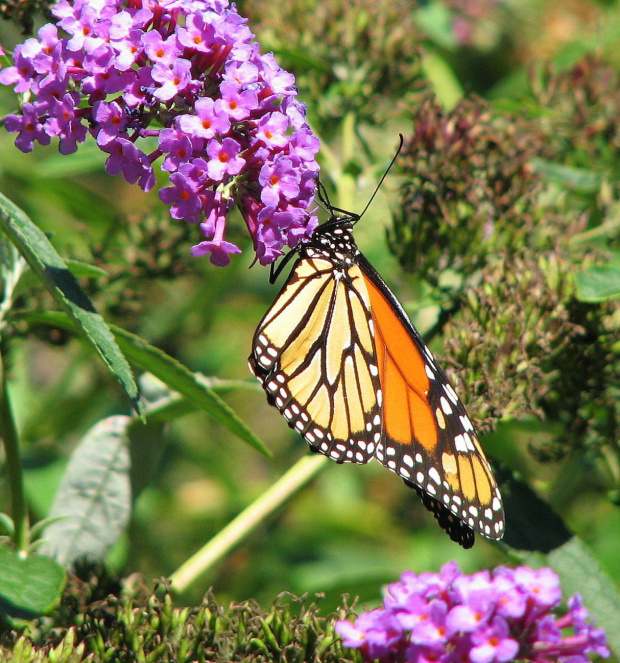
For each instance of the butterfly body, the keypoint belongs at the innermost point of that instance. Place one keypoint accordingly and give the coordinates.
(338, 356)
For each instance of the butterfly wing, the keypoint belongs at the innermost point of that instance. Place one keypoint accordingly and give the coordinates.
(338, 356)
(313, 352)
(427, 437)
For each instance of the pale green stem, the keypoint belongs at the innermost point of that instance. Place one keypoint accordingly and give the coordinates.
(346, 185)
(221, 544)
(607, 229)
(8, 433)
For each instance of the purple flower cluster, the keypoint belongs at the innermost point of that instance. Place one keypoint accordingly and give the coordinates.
(450, 617)
(184, 82)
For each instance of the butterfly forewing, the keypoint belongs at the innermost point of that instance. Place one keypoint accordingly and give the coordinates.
(316, 361)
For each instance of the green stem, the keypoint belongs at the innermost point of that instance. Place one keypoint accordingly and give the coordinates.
(8, 433)
(299, 475)
(346, 186)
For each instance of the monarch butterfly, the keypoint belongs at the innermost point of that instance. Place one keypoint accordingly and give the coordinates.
(338, 356)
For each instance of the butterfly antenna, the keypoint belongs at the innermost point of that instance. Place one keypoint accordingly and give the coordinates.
(326, 204)
(387, 170)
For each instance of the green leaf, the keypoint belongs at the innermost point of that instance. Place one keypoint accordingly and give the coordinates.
(172, 405)
(179, 378)
(171, 372)
(443, 80)
(78, 268)
(581, 573)
(598, 284)
(579, 179)
(531, 524)
(93, 502)
(7, 526)
(146, 448)
(53, 271)
(435, 20)
(29, 586)
(538, 536)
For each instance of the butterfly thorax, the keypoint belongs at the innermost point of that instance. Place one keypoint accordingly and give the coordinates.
(334, 242)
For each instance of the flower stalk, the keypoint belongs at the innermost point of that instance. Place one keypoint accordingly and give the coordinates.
(298, 476)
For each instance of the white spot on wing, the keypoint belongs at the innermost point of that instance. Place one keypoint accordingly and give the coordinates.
(445, 406)
(466, 423)
(434, 475)
(451, 393)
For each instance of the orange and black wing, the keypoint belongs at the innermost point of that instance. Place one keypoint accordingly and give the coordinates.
(340, 359)
(313, 352)
(427, 437)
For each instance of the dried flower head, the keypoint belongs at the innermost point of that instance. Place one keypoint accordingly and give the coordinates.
(475, 204)
(515, 330)
(585, 100)
(349, 57)
(24, 12)
(469, 188)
